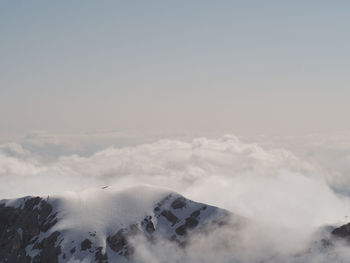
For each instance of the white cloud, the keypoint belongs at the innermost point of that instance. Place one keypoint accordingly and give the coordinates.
(269, 185)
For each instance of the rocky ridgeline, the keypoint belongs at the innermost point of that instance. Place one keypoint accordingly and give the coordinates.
(27, 235)
(342, 232)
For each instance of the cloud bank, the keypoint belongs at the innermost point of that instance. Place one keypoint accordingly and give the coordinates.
(271, 186)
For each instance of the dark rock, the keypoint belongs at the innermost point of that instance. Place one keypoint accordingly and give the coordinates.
(45, 211)
(118, 241)
(196, 213)
(148, 225)
(100, 257)
(190, 223)
(181, 230)
(170, 216)
(178, 203)
(92, 234)
(343, 231)
(21, 226)
(86, 244)
(49, 252)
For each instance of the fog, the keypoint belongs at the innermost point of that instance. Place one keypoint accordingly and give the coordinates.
(286, 196)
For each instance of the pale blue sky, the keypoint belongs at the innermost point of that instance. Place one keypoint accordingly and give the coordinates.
(230, 66)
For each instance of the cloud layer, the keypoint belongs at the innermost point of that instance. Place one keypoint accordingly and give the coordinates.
(271, 186)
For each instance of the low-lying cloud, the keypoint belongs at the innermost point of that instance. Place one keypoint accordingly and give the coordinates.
(287, 196)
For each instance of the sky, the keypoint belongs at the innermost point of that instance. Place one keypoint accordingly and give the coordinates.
(243, 67)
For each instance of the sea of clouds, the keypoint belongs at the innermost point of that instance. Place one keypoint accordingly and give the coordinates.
(289, 187)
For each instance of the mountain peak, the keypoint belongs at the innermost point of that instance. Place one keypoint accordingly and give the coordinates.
(98, 224)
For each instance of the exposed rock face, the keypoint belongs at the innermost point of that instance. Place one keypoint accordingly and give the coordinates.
(21, 226)
(173, 218)
(119, 242)
(343, 232)
(170, 217)
(179, 202)
(28, 231)
(49, 251)
(86, 244)
(100, 256)
(147, 224)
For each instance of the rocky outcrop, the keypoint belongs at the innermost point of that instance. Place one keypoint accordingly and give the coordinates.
(21, 226)
(49, 251)
(342, 232)
(119, 242)
(173, 218)
(86, 244)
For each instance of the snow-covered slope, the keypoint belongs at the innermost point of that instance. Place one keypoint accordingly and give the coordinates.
(98, 225)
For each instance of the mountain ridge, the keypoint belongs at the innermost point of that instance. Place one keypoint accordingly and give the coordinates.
(98, 224)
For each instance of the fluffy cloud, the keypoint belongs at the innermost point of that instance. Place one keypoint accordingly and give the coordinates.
(280, 191)
(241, 177)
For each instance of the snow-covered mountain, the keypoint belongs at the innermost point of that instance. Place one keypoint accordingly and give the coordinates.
(99, 225)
